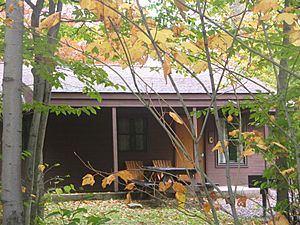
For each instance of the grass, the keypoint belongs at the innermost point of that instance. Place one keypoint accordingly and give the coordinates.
(119, 213)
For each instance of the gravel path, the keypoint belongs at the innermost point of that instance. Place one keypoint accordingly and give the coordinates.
(253, 206)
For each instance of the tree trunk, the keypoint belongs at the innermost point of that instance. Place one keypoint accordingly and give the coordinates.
(282, 85)
(42, 93)
(12, 116)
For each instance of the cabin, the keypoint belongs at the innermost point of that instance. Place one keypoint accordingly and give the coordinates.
(124, 129)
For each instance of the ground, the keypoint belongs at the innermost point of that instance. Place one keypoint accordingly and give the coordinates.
(119, 213)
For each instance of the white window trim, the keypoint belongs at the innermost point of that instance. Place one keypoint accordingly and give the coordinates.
(221, 159)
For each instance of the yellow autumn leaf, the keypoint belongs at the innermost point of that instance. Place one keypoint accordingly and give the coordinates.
(199, 66)
(264, 6)
(162, 36)
(234, 133)
(182, 58)
(288, 171)
(23, 189)
(248, 151)
(163, 186)
(49, 22)
(176, 117)
(181, 199)
(41, 168)
(130, 187)
(8, 22)
(180, 4)
(87, 4)
(88, 179)
(125, 175)
(280, 219)
(179, 187)
(279, 145)
(191, 47)
(108, 180)
(206, 207)
(166, 66)
(128, 198)
(262, 146)
(11, 8)
(294, 37)
(143, 37)
(220, 41)
(218, 146)
(229, 118)
(289, 18)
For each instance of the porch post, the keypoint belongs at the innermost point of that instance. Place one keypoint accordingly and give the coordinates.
(115, 144)
(196, 145)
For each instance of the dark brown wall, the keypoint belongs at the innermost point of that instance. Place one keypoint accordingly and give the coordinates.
(88, 136)
(255, 165)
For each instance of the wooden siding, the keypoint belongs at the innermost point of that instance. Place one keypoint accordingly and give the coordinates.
(255, 164)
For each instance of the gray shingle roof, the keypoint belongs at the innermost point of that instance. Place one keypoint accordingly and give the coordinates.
(150, 80)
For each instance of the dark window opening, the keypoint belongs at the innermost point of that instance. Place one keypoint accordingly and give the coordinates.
(132, 134)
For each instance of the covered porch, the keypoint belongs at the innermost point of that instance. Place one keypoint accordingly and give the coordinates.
(108, 139)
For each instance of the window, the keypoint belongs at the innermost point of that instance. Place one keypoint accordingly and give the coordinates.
(234, 146)
(132, 134)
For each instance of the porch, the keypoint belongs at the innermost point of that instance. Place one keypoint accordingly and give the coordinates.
(107, 140)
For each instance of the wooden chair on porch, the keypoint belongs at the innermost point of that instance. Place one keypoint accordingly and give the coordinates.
(142, 184)
(161, 163)
(136, 169)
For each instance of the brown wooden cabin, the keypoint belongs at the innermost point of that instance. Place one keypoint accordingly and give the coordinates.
(124, 129)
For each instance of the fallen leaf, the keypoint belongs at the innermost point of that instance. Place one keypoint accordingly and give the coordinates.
(213, 195)
(88, 179)
(206, 207)
(242, 201)
(176, 118)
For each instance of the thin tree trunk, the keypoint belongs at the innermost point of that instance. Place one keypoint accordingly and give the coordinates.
(282, 85)
(12, 116)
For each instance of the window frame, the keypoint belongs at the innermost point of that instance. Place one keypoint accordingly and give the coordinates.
(132, 133)
(220, 155)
